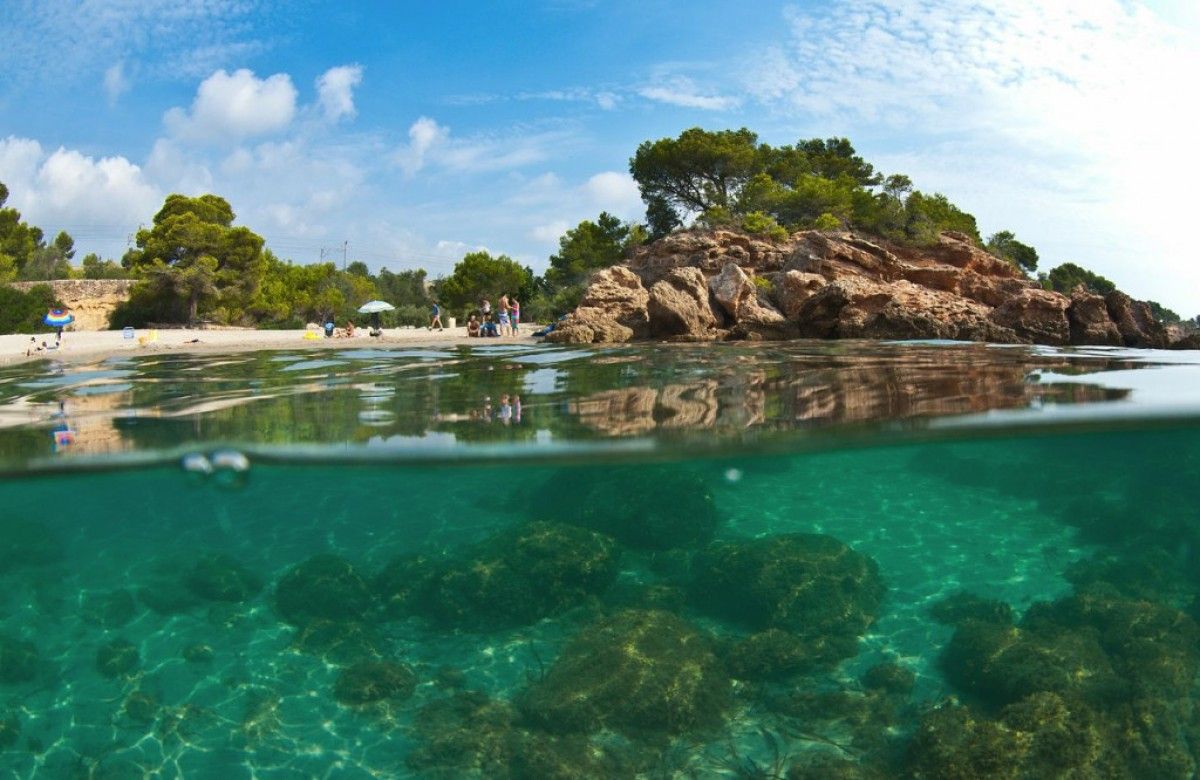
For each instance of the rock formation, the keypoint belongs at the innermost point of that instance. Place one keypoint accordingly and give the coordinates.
(92, 301)
(710, 285)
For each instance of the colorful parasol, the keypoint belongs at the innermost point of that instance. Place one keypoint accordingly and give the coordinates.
(58, 318)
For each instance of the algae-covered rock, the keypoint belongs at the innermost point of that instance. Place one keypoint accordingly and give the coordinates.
(108, 610)
(220, 577)
(404, 582)
(117, 658)
(1002, 664)
(643, 673)
(889, 678)
(471, 735)
(18, 660)
(521, 576)
(338, 641)
(168, 597)
(810, 584)
(774, 654)
(141, 707)
(198, 653)
(325, 587)
(963, 606)
(645, 507)
(367, 682)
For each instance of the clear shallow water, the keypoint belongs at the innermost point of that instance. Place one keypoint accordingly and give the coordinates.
(686, 562)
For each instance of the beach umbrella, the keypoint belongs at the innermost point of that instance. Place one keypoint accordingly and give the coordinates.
(58, 318)
(374, 307)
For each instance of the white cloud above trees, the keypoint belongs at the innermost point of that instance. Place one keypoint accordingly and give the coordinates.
(232, 106)
(335, 91)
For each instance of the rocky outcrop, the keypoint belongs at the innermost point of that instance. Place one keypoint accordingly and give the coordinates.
(704, 285)
(92, 301)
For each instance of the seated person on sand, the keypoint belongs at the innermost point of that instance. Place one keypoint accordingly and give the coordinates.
(473, 327)
(349, 330)
(488, 328)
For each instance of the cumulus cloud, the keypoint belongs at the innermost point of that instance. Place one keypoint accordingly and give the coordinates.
(432, 143)
(615, 192)
(682, 91)
(549, 232)
(1065, 116)
(65, 187)
(116, 82)
(231, 106)
(335, 91)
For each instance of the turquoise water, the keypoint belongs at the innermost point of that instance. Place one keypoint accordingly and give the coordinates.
(815, 560)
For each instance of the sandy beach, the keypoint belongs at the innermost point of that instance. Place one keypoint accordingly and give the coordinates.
(96, 345)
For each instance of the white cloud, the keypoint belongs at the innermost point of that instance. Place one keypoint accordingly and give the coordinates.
(615, 192)
(549, 232)
(335, 90)
(116, 82)
(1066, 118)
(432, 143)
(65, 188)
(682, 91)
(231, 106)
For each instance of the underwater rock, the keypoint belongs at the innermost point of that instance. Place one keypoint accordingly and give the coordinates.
(963, 606)
(404, 582)
(10, 730)
(18, 660)
(27, 543)
(141, 707)
(168, 597)
(339, 642)
(889, 678)
(520, 576)
(325, 587)
(198, 654)
(116, 658)
(472, 735)
(824, 766)
(367, 682)
(1002, 664)
(643, 506)
(810, 584)
(775, 654)
(219, 577)
(1150, 574)
(642, 673)
(108, 610)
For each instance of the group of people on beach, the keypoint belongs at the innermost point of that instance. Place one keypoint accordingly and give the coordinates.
(504, 321)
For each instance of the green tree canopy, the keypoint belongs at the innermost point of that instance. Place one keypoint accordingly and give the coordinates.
(198, 258)
(480, 275)
(18, 240)
(1005, 245)
(1068, 276)
(1162, 313)
(93, 267)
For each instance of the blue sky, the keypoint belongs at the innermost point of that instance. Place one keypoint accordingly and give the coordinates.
(417, 131)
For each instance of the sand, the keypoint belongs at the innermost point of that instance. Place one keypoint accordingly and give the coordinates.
(96, 345)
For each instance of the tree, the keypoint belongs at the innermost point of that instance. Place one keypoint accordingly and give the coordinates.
(18, 241)
(694, 172)
(46, 263)
(65, 244)
(1162, 313)
(1006, 246)
(1068, 276)
(479, 275)
(95, 268)
(214, 266)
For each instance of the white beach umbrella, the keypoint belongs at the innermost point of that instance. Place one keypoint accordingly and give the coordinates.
(374, 307)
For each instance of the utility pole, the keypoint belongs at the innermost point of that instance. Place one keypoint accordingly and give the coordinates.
(345, 245)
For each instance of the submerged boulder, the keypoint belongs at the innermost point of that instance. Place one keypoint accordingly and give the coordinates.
(645, 674)
(220, 577)
(367, 682)
(116, 658)
(18, 660)
(810, 584)
(518, 577)
(325, 587)
(645, 507)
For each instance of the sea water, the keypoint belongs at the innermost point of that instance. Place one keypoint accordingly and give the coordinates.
(850, 559)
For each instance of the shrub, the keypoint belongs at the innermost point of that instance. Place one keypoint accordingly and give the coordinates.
(759, 223)
(827, 222)
(22, 312)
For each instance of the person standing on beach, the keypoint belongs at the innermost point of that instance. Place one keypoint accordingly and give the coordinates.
(514, 306)
(485, 308)
(435, 315)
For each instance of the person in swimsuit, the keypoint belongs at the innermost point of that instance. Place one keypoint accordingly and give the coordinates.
(514, 307)
(502, 317)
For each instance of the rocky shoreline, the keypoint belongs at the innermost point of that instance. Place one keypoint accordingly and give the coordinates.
(723, 285)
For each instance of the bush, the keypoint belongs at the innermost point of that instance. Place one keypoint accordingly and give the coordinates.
(22, 312)
(827, 222)
(763, 283)
(759, 223)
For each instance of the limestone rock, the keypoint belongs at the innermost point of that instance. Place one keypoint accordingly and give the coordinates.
(1135, 321)
(612, 310)
(679, 305)
(1090, 323)
(793, 288)
(1036, 315)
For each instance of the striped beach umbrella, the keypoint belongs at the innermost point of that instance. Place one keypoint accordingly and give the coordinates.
(58, 318)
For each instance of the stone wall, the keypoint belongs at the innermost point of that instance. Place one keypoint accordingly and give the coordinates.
(90, 300)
